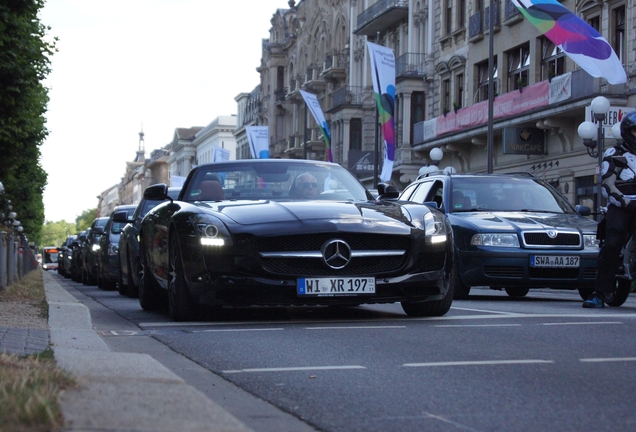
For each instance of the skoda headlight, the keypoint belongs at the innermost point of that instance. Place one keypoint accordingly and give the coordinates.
(95, 247)
(211, 231)
(590, 241)
(435, 227)
(497, 240)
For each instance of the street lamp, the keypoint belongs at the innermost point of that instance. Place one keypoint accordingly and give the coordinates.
(600, 106)
(436, 154)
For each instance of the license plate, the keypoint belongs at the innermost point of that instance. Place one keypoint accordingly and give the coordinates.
(335, 286)
(554, 261)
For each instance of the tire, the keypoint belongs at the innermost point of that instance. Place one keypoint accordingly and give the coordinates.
(147, 291)
(621, 292)
(517, 292)
(431, 308)
(121, 288)
(181, 307)
(133, 290)
(460, 289)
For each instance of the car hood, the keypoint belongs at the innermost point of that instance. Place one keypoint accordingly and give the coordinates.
(267, 212)
(522, 221)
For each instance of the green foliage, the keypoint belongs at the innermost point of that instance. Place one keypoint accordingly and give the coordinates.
(85, 220)
(24, 64)
(54, 233)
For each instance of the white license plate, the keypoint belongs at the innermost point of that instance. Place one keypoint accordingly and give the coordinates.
(555, 261)
(335, 286)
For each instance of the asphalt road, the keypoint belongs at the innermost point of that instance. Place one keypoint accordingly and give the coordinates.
(493, 363)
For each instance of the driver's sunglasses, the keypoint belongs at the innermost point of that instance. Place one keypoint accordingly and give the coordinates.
(307, 185)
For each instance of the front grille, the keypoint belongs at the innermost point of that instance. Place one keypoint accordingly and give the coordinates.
(316, 267)
(589, 273)
(553, 273)
(433, 261)
(561, 239)
(503, 271)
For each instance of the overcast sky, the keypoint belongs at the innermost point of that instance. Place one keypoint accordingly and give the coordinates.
(127, 64)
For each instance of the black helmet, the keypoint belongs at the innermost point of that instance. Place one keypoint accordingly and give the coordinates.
(629, 122)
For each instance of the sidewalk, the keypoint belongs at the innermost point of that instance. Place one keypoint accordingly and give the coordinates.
(117, 391)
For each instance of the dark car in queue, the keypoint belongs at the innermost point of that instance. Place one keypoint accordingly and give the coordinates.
(91, 250)
(240, 235)
(512, 232)
(130, 265)
(108, 267)
(76, 256)
(64, 258)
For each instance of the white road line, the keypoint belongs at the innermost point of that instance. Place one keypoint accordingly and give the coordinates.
(478, 325)
(582, 323)
(354, 327)
(238, 330)
(292, 369)
(600, 360)
(483, 310)
(477, 363)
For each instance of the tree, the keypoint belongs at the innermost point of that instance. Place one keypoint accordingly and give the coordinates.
(24, 64)
(55, 233)
(85, 220)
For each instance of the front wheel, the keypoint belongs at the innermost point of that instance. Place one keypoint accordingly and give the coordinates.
(180, 304)
(432, 308)
(460, 289)
(147, 290)
(621, 292)
(517, 292)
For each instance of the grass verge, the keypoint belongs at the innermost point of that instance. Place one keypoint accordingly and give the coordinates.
(30, 386)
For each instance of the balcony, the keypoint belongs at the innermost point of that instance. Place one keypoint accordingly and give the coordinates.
(346, 96)
(382, 15)
(333, 68)
(313, 81)
(293, 94)
(476, 26)
(410, 65)
(512, 14)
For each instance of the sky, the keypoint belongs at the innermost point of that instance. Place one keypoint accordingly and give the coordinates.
(124, 66)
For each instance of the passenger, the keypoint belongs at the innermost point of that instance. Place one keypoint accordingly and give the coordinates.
(304, 186)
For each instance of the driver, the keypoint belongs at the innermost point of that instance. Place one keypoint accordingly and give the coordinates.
(620, 221)
(305, 186)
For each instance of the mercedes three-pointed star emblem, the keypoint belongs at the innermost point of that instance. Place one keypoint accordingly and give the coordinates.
(336, 253)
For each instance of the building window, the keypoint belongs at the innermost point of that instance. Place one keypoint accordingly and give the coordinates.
(448, 26)
(552, 60)
(446, 95)
(482, 85)
(458, 100)
(518, 67)
(418, 111)
(355, 134)
(595, 22)
(618, 32)
(461, 14)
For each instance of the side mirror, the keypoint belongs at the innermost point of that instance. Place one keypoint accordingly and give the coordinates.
(157, 192)
(583, 210)
(386, 191)
(432, 204)
(620, 161)
(98, 230)
(121, 216)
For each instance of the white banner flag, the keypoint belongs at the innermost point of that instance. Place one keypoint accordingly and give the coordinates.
(258, 139)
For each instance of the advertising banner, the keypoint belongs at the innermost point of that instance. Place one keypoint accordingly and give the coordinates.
(383, 76)
(258, 139)
(314, 106)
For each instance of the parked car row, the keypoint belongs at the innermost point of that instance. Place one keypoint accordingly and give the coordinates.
(297, 232)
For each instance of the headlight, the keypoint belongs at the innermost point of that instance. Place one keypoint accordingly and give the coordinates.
(434, 227)
(590, 241)
(95, 247)
(498, 240)
(211, 231)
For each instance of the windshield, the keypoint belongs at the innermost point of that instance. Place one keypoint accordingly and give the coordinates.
(277, 181)
(505, 194)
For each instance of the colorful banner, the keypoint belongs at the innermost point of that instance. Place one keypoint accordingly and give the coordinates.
(314, 106)
(258, 139)
(584, 45)
(383, 75)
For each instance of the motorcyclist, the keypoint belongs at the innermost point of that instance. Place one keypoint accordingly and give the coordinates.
(620, 221)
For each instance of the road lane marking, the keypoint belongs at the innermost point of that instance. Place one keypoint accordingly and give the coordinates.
(237, 330)
(477, 363)
(484, 310)
(600, 360)
(582, 323)
(292, 369)
(354, 327)
(477, 325)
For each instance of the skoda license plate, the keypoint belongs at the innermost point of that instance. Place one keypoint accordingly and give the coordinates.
(554, 261)
(335, 286)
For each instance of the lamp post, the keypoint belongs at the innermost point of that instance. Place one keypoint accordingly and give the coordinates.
(600, 106)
